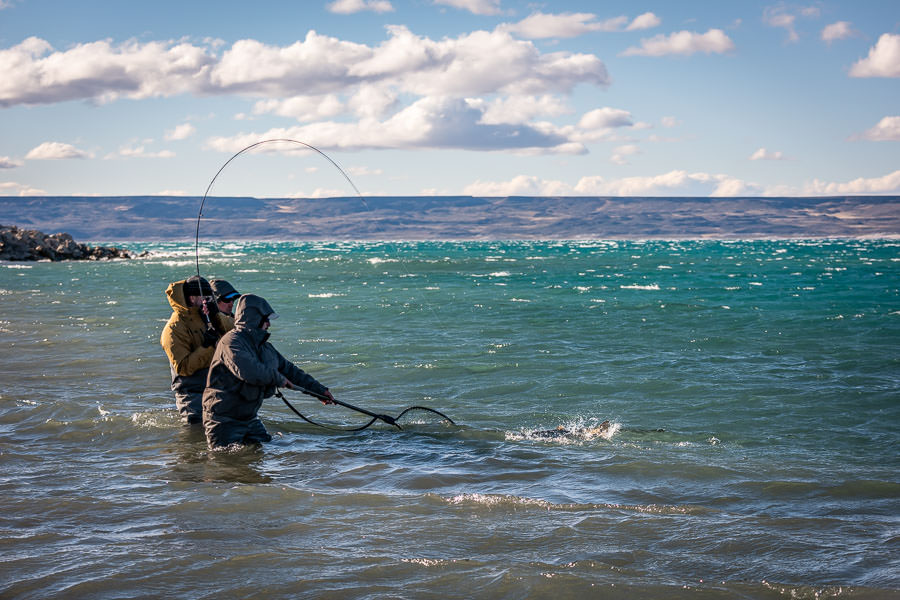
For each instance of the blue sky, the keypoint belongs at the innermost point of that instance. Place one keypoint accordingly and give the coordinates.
(451, 97)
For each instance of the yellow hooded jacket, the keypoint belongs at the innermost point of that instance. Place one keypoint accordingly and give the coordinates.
(182, 337)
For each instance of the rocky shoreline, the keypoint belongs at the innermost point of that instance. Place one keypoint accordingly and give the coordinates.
(30, 244)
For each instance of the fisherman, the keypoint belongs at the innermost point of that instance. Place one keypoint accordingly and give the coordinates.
(245, 369)
(188, 339)
(225, 295)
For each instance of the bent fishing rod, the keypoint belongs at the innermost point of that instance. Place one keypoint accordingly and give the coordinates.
(206, 317)
(374, 416)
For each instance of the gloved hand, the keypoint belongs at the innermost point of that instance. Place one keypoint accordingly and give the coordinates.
(210, 338)
(210, 307)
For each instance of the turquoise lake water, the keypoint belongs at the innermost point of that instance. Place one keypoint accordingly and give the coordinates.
(753, 389)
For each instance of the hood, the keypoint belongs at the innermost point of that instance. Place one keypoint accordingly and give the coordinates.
(250, 310)
(175, 294)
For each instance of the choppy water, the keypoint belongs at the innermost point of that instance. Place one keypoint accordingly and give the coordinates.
(753, 387)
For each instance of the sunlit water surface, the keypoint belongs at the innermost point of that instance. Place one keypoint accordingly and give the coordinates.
(753, 390)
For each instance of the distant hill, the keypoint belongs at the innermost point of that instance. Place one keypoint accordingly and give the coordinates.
(452, 217)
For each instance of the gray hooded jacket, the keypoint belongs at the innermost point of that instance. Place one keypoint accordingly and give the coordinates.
(246, 368)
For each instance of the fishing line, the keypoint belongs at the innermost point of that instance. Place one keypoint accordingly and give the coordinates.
(375, 417)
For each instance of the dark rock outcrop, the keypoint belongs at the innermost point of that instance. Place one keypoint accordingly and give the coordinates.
(30, 244)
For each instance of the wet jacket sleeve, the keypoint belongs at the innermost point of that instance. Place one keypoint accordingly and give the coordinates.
(298, 376)
(177, 342)
(241, 359)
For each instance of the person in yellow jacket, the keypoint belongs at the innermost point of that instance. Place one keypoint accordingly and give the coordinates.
(189, 340)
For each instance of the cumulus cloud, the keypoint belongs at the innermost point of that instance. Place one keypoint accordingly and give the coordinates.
(140, 151)
(645, 21)
(11, 188)
(763, 154)
(180, 132)
(33, 73)
(347, 7)
(302, 108)
(483, 90)
(475, 63)
(364, 171)
(478, 7)
(568, 25)
(621, 152)
(676, 181)
(887, 130)
(9, 163)
(521, 185)
(54, 151)
(883, 59)
(433, 122)
(837, 31)
(683, 43)
(519, 109)
(887, 184)
(780, 17)
(565, 25)
(605, 118)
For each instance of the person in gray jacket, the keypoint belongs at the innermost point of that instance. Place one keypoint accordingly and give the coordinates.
(245, 369)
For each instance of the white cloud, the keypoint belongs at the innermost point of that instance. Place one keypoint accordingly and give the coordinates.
(655, 185)
(35, 74)
(669, 122)
(763, 154)
(9, 163)
(887, 184)
(407, 92)
(434, 122)
(645, 21)
(564, 25)
(347, 7)
(478, 7)
(521, 185)
(302, 108)
(568, 25)
(683, 43)
(519, 109)
(11, 188)
(172, 193)
(730, 187)
(837, 31)
(364, 171)
(140, 151)
(475, 63)
(779, 17)
(605, 118)
(623, 151)
(183, 131)
(320, 193)
(887, 130)
(883, 59)
(56, 150)
(373, 101)
(667, 183)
